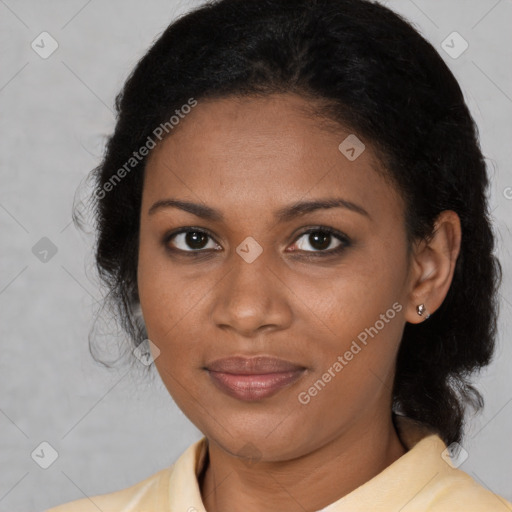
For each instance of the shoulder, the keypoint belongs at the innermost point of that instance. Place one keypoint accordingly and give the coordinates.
(455, 491)
(148, 492)
(427, 479)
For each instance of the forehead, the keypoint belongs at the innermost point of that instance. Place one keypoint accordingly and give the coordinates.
(249, 154)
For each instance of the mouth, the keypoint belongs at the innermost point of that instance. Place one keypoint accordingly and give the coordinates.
(252, 387)
(255, 378)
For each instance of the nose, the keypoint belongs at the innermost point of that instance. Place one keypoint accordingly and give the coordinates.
(252, 298)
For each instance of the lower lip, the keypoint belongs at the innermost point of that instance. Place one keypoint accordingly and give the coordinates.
(253, 387)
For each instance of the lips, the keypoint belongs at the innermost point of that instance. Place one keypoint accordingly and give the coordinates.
(253, 378)
(252, 365)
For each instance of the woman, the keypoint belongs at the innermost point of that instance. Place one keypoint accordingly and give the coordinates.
(292, 211)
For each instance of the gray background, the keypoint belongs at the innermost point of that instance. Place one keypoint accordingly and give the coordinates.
(110, 429)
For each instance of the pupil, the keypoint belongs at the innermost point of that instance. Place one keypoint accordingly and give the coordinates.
(319, 241)
(195, 239)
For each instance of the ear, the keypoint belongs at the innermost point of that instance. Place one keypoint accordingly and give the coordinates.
(433, 265)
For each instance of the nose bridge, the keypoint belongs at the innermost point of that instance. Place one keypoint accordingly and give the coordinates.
(250, 268)
(251, 296)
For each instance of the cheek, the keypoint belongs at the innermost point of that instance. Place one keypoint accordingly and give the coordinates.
(168, 310)
(169, 307)
(355, 294)
(361, 316)
(163, 299)
(355, 369)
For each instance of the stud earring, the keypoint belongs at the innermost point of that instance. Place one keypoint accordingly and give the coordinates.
(420, 309)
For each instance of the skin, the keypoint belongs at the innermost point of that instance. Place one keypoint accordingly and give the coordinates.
(248, 158)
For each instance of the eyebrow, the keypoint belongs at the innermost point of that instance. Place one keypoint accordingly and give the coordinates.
(284, 214)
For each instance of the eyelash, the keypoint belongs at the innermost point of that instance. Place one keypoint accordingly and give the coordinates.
(345, 241)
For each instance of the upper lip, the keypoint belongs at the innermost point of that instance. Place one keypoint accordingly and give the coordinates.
(258, 365)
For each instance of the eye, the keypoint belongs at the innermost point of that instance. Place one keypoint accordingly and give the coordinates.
(323, 240)
(190, 240)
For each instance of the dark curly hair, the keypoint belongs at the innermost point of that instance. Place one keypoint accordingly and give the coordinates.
(363, 66)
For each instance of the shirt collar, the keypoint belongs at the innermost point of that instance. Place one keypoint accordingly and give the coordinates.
(391, 489)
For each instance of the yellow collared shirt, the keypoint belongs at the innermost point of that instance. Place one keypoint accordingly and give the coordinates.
(421, 480)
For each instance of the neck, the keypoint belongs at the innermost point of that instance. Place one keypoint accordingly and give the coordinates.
(309, 482)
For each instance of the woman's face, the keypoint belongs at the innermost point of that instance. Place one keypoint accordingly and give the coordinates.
(246, 282)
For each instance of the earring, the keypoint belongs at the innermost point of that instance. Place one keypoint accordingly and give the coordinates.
(420, 309)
